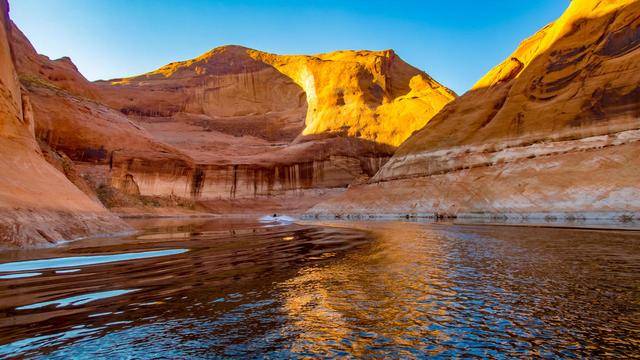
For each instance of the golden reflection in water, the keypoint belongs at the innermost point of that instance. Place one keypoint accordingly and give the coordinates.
(315, 302)
(396, 290)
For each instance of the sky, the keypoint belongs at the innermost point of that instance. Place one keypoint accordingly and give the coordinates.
(454, 41)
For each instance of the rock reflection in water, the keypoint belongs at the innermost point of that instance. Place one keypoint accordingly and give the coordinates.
(356, 289)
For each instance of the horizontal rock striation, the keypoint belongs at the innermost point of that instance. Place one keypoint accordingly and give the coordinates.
(284, 173)
(596, 183)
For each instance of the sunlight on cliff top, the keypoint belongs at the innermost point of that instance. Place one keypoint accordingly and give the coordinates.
(541, 41)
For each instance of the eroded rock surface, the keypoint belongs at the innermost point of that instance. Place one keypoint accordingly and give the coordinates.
(372, 95)
(554, 128)
(258, 124)
(234, 125)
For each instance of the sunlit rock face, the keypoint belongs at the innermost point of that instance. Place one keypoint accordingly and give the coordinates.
(230, 143)
(372, 95)
(576, 77)
(232, 124)
(257, 124)
(224, 89)
(552, 128)
(38, 204)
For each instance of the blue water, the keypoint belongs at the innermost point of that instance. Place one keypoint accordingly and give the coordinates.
(395, 290)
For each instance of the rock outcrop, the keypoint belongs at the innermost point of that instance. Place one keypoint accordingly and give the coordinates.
(38, 204)
(373, 95)
(552, 129)
(70, 115)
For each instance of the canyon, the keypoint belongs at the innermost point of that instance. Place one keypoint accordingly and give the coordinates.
(248, 204)
(264, 126)
(550, 132)
(233, 131)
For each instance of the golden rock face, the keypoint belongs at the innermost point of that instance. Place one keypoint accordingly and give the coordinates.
(256, 124)
(576, 77)
(371, 95)
(224, 84)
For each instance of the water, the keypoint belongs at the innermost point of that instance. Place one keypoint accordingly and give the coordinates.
(401, 290)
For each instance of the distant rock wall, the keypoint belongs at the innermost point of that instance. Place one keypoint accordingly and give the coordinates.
(239, 181)
(373, 95)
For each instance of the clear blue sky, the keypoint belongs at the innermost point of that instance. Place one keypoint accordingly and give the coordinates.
(455, 41)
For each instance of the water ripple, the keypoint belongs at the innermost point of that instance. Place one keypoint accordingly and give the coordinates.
(393, 290)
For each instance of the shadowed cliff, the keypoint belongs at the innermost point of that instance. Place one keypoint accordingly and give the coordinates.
(38, 204)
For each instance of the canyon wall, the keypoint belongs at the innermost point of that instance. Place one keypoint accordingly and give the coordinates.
(228, 125)
(552, 129)
(372, 95)
(261, 125)
(265, 175)
(70, 115)
(38, 204)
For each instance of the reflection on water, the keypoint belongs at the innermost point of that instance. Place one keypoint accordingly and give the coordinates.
(76, 300)
(73, 261)
(374, 289)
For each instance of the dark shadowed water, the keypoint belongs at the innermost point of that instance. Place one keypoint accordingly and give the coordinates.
(396, 290)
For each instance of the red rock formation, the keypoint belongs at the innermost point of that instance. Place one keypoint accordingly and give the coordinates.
(61, 73)
(372, 95)
(259, 124)
(233, 124)
(38, 204)
(70, 116)
(554, 128)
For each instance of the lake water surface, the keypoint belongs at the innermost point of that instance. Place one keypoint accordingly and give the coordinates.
(212, 288)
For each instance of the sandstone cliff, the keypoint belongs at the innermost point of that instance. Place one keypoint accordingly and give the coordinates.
(553, 128)
(263, 125)
(231, 126)
(38, 204)
(234, 125)
(372, 95)
(70, 115)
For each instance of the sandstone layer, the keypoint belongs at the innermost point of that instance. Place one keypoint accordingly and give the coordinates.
(552, 129)
(38, 204)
